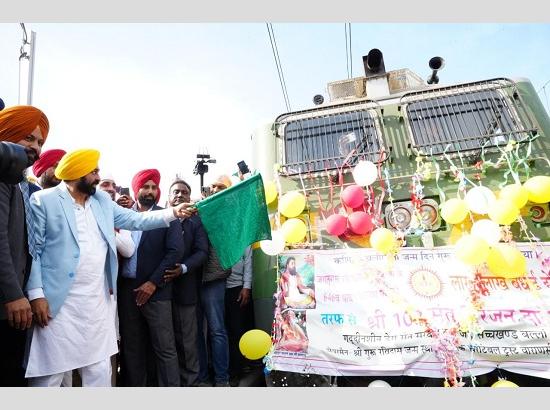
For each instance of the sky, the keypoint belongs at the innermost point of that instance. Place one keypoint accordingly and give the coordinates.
(155, 95)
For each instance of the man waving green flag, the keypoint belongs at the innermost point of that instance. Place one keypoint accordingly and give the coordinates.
(235, 218)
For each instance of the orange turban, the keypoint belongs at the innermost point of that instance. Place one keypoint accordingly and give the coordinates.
(16, 123)
(142, 177)
(76, 164)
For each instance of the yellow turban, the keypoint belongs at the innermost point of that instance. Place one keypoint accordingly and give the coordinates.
(76, 164)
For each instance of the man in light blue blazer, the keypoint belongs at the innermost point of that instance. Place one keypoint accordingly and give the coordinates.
(74, 272)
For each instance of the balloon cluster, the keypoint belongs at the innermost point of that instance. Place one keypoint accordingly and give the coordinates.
(353, 196)
(293, 230)
(482, 244)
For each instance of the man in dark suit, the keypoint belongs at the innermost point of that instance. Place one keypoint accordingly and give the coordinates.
(187, 279)
(144, 298)
(26, 126)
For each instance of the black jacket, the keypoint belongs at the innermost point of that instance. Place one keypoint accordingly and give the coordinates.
(158, 250)
(194, 255)
(15, 260)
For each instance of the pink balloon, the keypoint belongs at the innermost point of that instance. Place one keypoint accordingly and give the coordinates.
(360, 223)
(337, 224)
(353, 196)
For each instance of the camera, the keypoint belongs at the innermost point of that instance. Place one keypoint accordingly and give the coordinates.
(125, 191)
(201, 167)
(13, 161)
(243, 168)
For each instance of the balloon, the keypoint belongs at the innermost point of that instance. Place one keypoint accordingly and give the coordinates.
(503, 212)
(454, 210)
(383, 240)
(538, 189)
(294, 230)
(353, 196)
(478, 199)
(506, 261)
(274, 246)
(336, 224)
(515, 193)
(270, 192)
(255, 344)
(487, 230)
(360, 223)
(504, 383)
(471, 250)
(365, 173)
(379, 383)
(292, 204)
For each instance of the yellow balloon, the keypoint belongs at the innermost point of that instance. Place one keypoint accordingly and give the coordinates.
(503, 211)
(506, 261)
(383, 240)
(504, 383)
(270, 192)
(255, 344)
(515, 193)
(294, 230)
(454, 210)
(538, 189)
(471, 250)
(292, 204)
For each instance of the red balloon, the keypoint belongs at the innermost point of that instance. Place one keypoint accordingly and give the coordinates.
(353, 196)
(360, 223)
(337, 224)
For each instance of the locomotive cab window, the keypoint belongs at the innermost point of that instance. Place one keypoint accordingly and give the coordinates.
(464, 120)
(318, 142)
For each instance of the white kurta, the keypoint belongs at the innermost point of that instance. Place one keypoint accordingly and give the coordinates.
(83, 332)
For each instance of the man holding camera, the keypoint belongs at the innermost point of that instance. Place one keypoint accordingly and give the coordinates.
(28, 127)
(144, 297)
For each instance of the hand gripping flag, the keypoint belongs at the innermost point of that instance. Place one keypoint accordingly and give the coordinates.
(235, 218)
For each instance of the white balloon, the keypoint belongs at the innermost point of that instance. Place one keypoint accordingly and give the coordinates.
(478, 199)
(274, 246)
(379, 383)
(365, 173)
(487, 230)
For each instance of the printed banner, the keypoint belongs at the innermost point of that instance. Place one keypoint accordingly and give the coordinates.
(352, 312)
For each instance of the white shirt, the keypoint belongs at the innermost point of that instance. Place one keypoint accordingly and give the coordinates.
(83, 332)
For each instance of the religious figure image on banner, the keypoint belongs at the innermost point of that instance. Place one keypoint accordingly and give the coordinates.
(291, 335)
(297, 289)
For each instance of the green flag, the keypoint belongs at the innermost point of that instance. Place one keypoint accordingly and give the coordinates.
(235, 218)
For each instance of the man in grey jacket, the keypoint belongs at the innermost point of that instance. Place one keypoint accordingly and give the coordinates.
(212, 295)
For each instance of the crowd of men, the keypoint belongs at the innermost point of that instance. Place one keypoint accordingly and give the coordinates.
(94, 280)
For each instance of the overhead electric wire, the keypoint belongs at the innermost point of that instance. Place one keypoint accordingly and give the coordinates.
(543, 88)
(350, 53)
(278, 65)
(347, 49)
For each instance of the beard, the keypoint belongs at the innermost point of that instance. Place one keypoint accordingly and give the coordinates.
(292, 271)
(49, 181)
(32, 156)
(85, 187)
(147, 200)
